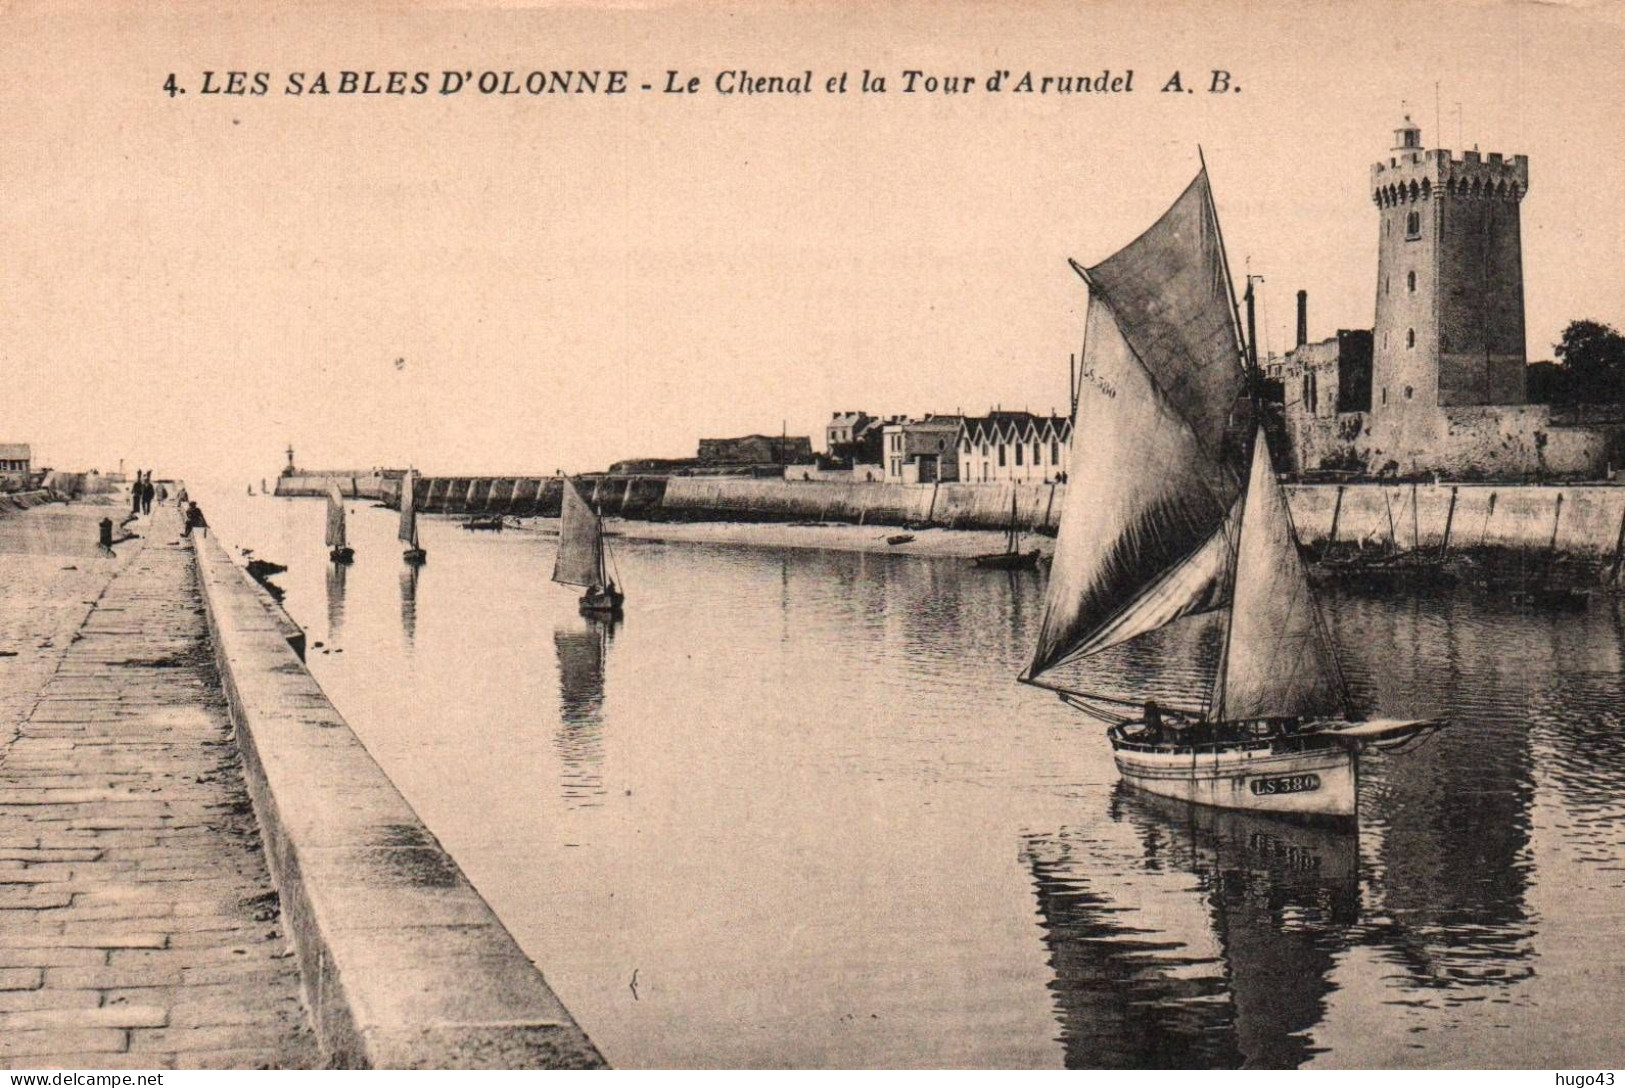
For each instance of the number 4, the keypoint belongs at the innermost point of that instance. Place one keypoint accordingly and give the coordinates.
(171, 86)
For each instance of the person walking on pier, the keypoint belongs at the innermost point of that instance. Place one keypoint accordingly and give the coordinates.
(135, 494)
(146, 494)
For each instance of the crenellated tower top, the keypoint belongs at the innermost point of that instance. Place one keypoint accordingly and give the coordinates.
(1414, 173)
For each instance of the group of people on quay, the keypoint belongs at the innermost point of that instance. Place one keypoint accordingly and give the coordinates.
(143, 492)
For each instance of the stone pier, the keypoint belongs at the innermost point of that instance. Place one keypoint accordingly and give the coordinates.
(138, 923)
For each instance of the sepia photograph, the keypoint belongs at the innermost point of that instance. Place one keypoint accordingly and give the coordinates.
(672, 535)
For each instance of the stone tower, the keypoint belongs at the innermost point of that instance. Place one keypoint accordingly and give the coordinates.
(1449, 324)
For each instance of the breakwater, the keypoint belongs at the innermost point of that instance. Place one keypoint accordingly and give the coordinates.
(1577, 519)
(404, 965)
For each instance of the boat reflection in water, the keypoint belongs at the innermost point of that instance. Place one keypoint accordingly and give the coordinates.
(409, 602)
(1201, 937)
(336, 574)
(581, 650)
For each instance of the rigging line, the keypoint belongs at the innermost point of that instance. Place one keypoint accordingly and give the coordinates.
(1076, 654)
(1216, 691)
(1319, 619)
(1232, 552)
(1065, 692)
(1229, 282)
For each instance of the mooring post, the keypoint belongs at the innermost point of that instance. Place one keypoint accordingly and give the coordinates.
(1619, 547)
(107, 533)
(1393, 540)
(1449, 519)
(1557, 516)
(1337, 512)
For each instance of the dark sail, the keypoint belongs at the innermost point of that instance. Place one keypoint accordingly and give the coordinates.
(1152, 478)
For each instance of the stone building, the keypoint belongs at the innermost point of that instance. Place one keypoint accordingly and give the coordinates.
(1014, 446)
(16, 464)
(920, 451)
(845, 428)
(756, 449)
(1446, 354)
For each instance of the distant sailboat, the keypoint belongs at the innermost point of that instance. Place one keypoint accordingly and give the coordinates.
(583, 553)
(1174, 511)
(1012, 558)
(414, 552)
(340, 552)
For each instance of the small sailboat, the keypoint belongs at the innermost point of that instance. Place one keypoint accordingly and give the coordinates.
(339, 548)
(1175, 517)
(414, 553)
(1012, 558)
(583, 555)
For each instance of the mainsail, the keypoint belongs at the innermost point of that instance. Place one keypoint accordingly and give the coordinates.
(580, 560)
(335, 516)
(1152, 480)
(409, 509)
(1277, 661)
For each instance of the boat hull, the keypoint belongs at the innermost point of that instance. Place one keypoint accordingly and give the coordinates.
(1008, 561)
(1318, 782)
(602, 603)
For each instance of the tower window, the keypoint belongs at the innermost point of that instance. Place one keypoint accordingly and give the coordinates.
(1407, 392)
(1413, 225)
(1385, 394)
(1410, 338)
(1410, 282)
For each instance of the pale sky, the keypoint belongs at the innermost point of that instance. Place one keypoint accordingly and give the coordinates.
(190, 283)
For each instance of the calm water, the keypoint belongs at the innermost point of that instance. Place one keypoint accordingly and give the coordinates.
(800, 797)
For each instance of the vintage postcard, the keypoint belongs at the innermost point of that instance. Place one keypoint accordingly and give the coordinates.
(812, 536)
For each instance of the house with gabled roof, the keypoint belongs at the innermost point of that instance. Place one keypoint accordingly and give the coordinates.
(1014, 446)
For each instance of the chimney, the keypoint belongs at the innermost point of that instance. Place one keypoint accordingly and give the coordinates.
(1303, 318)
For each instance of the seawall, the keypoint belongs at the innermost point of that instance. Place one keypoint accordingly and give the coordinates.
(404, 965)
(1586, 518)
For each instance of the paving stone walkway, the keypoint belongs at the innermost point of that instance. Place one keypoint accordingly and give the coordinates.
(138, 926)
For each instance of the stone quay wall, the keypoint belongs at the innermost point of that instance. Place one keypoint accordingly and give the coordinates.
(1587, 518)
(404, 965)
(1584, 520)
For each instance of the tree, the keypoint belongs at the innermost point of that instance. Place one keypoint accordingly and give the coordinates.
(1592, 360)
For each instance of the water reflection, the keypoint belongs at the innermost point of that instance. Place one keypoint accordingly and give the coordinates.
(336, 574)
(1450, 823)
(409, 602)
(1201, 938)
(581, 651)
(830, 745)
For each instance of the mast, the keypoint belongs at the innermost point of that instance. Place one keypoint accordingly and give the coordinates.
(1229, 282)
(1013, 539)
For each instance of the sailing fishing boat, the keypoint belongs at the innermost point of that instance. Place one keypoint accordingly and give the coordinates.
(1175, 516)
(340, 552)
(414, 553)
(1012, 558)
(583, 553)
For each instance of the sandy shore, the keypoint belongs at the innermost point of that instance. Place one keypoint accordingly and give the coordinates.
(952, 543)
